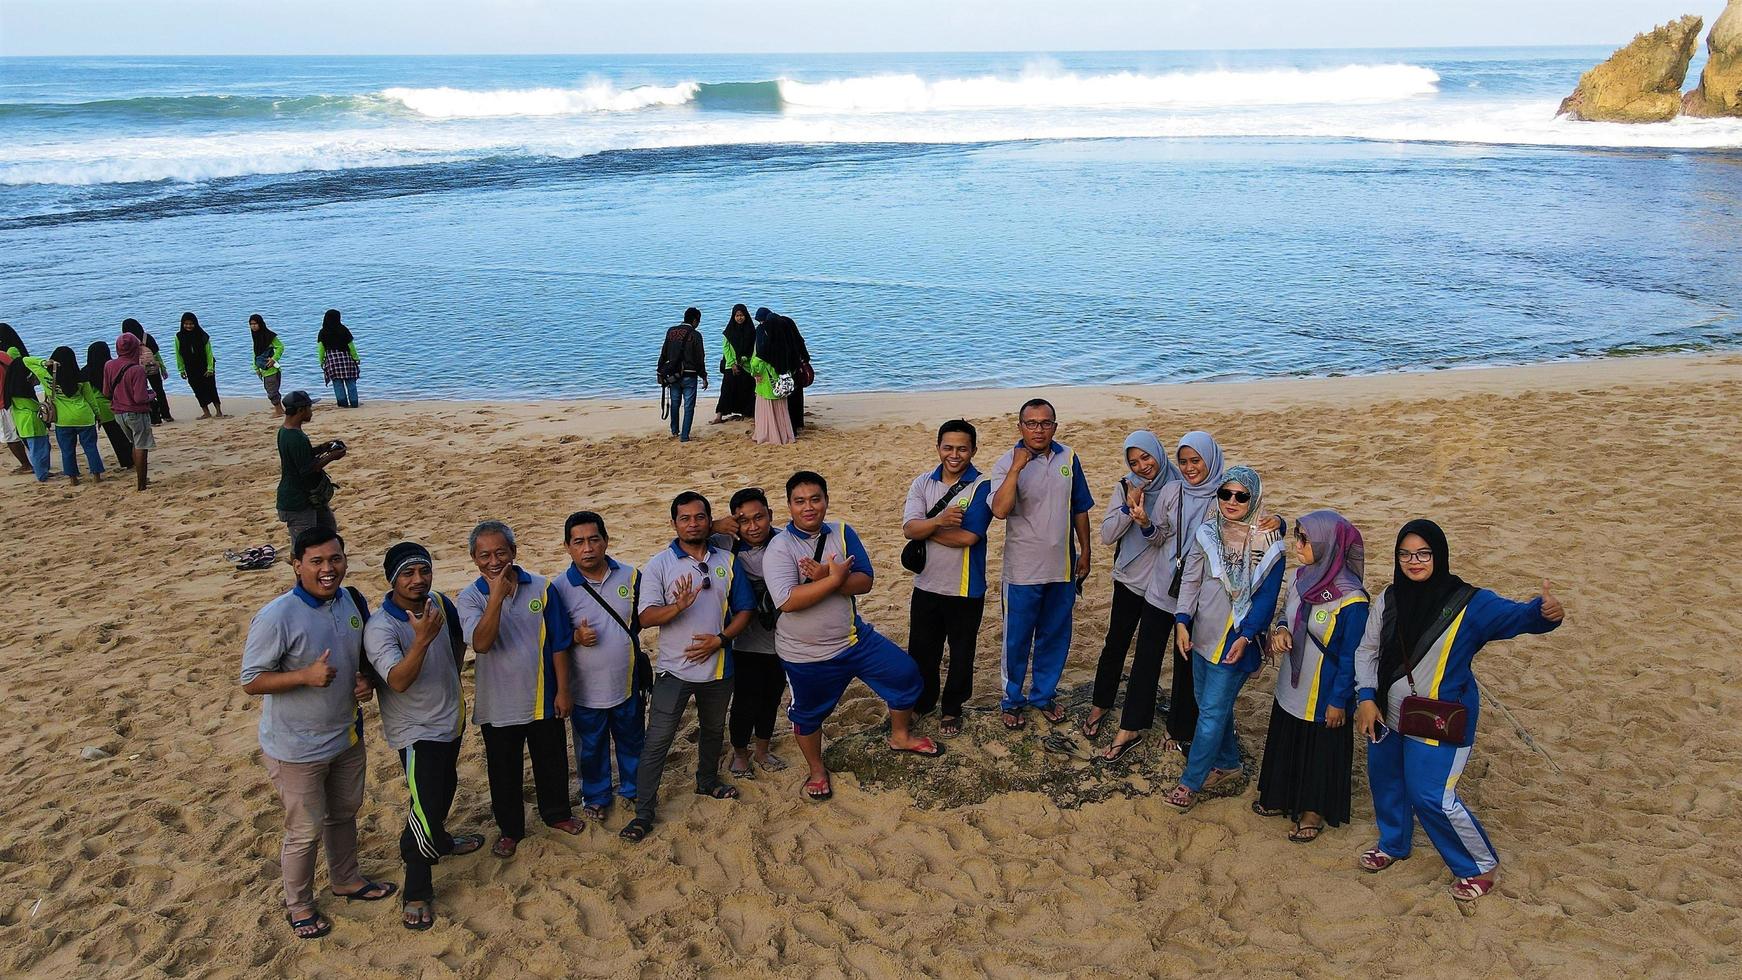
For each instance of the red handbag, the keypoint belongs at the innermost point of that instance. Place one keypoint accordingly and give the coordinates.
(805, 375)
(1443, 721)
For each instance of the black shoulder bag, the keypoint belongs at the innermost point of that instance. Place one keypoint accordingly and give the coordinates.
(643, 666)
(1179, 564)
(822, 540)
(913, 553)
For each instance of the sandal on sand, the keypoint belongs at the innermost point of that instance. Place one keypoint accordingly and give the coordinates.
(740, 773)
(819, 789)
(1055, 714)
(1091, 727)
(949, 726)
(771, 762)
(314, 926)
(595, 811)
(1219, 776)
(1470, 889)
(1117, 750)
(1014, 722)
(1306, 833)
(570, 826)
(922, 746)
(635, 831)
(417, 919)
(718, 791)
(1259, 809)
(467, 843)
(1373, 860)
(371, 891)
(504, 847)
(1180, 797)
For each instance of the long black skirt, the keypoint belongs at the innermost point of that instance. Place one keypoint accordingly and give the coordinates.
(1306, 767)
(737, 394)
(205, 388)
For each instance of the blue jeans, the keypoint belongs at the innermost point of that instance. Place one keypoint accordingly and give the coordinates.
(36, 447)
(596, 730)
(71, 438)
(345, 392)
(1214, 744)
(683, 395)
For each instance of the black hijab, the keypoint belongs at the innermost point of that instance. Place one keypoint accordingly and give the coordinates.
(263, 337)
(66, 371)
(1414, 607)
(742, 336)
(96, 358)
(9, 339)
(334, 334)
(20, 382)
(772, 342)
(132, 326)
(192, 344)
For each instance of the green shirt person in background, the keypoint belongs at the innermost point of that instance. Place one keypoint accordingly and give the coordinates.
(304, 492)
(75, 418)
(340, 365)
(197, 364)
(268, 355)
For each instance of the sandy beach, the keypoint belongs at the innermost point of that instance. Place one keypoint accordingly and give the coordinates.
(1617, 830)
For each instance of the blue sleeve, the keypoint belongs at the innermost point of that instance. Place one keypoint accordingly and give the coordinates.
(856, 555)
(559, 631)
(1082, 501)
(978, 517)
(742, 596)
(1263, 603)
(1500, 618)
(1351, 626)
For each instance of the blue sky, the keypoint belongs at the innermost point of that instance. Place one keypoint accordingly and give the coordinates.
(36, 27)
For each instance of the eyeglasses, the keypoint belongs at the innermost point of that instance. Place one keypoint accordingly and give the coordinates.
(1240, 495)
(1421, 557)
(702, 568)
(1039, 425)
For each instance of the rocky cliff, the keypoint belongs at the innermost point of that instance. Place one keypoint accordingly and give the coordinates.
(1720, 90)
(1641, 82)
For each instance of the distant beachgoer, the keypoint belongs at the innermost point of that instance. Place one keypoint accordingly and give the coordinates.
(949, 509)
(197, 364)
(268, 356)
(417, 650)
(24, 410)
(11, 344)
(737, 386)
(608, 677)
(97, 360)
(1040, 493)
(75, 416)
(305, 493)
(340, 365)
(815, 570)
(150, 358)
(124, 383)
(303, 659)
(516, 624)
(695, 592)
(1310, 745)
(773, 421)
(11, 348)
(1227, 599)
(1128, 529)
(1422, 637)
(760, 679)
(780, 336)
(683, 365)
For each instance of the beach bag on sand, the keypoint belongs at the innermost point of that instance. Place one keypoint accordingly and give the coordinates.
(913, 553)
(1446, 722)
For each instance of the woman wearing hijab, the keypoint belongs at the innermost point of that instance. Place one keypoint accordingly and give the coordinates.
(196, 363)
(75, 418)
(96, 359)
(1227, 598)
(771, 366)
(737, 387)
(151, 359)
(1310, 744)
(1421, 638)
(268, 355)
(11, 348)
(19, 392)
(339, 360)
(1128, 528)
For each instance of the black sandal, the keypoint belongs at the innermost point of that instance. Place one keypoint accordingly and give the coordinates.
(949, 726)
(1117, 750)
(1014, 721)
(635, 831)
(388, 890)
(425, 916)
(1091, 727)
(1259, 809)
(718, 791)
(1306, 833)
(320, 923)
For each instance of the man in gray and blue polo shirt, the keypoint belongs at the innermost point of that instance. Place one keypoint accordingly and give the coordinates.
(696, 593)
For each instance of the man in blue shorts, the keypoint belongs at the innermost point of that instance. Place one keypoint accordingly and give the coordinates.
(814, 572)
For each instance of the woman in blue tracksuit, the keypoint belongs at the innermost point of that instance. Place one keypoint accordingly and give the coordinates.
(1227, 598)
(1422, 635)
(1310, 745)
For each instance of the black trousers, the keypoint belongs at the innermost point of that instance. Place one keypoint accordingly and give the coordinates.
(1155, 633)
(159, 401)
(1128, 608)
(205, 388)
(795, 405)
(758, 682)
(430, 772)
(671, 695)
(505, 750)
(933, 620)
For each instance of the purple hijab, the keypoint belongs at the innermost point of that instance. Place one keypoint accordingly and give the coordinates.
(1339, 562)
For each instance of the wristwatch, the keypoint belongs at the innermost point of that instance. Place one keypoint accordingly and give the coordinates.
(723, 640)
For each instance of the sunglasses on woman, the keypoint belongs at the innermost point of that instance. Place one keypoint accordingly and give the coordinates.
(1240, 496)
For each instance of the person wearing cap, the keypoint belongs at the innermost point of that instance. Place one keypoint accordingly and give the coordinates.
(517, 625)
(302, 658)
(304, 492)
(416, 650)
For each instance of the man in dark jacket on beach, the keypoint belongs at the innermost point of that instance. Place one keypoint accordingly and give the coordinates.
(683, 362)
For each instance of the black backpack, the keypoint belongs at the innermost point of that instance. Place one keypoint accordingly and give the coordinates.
(670, 369)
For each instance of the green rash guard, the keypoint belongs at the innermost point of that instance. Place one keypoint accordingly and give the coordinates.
(211, 360)
(277, 355)
(72, 411)
(99, 404)
(321, 352)
(764, 374)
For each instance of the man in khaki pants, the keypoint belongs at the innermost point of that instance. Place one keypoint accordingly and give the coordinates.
(302, 656)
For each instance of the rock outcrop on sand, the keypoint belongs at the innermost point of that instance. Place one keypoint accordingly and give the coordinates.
(1642, 82)
(1720, 90)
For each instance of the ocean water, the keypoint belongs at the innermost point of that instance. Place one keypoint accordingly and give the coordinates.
(513, 227)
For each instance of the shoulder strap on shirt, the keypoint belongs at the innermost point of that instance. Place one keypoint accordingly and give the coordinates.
(634, 638)
(937, 508)
(1454, 607)
(822, 539)
(456, 632)
(363, 663)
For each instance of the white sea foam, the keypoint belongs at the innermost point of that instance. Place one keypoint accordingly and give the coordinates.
(459, 103)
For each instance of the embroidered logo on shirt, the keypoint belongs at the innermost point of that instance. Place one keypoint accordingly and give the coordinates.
(962, 503)
(1321, 616)
(536, 605)
(623, 591)
(1065, 470)
(720, 570)
(356, 623)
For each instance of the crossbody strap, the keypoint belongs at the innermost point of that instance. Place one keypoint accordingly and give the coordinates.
(1460, 599)
(944, 501)
(634, 639)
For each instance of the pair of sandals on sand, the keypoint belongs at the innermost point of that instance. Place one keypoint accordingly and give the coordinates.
(1054, 714)
(1303, 833)
(253, 559)
(315, 925)
(822, 788)
(636, 831)
(1374, 860)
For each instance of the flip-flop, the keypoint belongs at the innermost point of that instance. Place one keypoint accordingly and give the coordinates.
(1259, 809)
(467, 843)
(571, 826)
(635, 831)
(1470, 889)
(594, 811)
(931, 749)
(1117, 750)
(771, 762)
(504, 847)
(388, 889)
(1373, 860)
(819, 789)
(425, 916)
(1091, 728)
(316, 921)
(949, 726)
(1055, 714)
(718, 791)
(1014, 721)
(1306, 833)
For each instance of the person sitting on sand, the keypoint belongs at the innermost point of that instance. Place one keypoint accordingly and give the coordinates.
(761, 680)
(695, 592)
(1422, 636)
(1044, 501)
(520, 631)
(947, 508)
(302, 658)
(607, 670)
(305, 492)
(1227, 599)
(1309, 746)
(415, 648)
(815, 572)
(126, 384)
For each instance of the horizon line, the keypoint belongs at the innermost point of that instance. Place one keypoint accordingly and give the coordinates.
(737, 53)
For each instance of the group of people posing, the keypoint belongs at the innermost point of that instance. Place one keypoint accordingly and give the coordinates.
(743, 610)
(764, 369)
